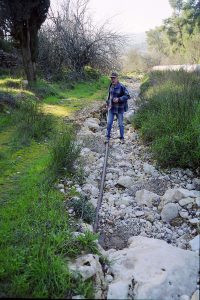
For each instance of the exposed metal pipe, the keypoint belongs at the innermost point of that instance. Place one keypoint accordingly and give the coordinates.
(95, 226)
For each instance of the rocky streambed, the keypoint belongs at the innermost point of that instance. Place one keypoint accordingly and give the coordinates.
(149, 217)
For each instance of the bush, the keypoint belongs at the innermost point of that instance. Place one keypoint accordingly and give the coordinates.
(5, 45)
(31, 123)
(169, 117)
(84, 242)
(83, 209)
(64, 151)
(42, 89)
(91, 73)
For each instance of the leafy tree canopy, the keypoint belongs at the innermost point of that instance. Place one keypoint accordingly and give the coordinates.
(22, 19)
(175, 35)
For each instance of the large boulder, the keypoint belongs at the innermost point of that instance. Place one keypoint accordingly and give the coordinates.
(89, 266)
(152, 269)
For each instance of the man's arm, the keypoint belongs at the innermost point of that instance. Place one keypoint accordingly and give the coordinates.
(125, 96)
(108, 97)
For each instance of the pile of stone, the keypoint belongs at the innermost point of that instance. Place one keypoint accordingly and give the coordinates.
(149, 219)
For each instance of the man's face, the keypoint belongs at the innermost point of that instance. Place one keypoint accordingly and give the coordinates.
(114, 80)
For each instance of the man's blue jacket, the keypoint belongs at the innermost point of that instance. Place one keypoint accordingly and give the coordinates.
(118, 91)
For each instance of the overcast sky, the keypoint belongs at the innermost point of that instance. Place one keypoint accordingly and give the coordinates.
(129, 16)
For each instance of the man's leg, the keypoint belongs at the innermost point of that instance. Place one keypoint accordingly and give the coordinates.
(120, 117)
(109, 123)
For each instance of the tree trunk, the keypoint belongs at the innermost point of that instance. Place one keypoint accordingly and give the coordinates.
(26, 54)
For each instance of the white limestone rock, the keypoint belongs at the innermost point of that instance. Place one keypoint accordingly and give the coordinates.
(194, 221)
(175, 195)
(169, 212)
(184, 297)
(196, 295)
(197, 201)
(152, 269)
(125, 181)
(195, 243)
(186, 201)
(85, 151)
(108, 278)
(124, 200)
(60, 186)
(196, 182)
(92, 124)
(190, 186)
(118, 290)
(149, 169)
(78, 297)
(90, 189)
(144, 197)
(139, 213)
(89, 266)
(184, 214)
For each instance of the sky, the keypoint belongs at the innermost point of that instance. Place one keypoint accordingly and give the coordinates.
(128, 16)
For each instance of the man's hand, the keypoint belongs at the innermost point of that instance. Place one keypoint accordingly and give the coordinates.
(116, 100)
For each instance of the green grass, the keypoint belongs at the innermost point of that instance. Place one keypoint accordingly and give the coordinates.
(14, 87)
(36, 235)
(66, 97)
(82, 94)
(34, 232)
(169, 117)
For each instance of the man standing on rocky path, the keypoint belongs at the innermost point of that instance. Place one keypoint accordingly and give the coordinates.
(116, 105)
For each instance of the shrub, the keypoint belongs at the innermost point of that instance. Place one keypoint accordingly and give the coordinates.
(5, 45)
(64, 151)
(169, 117)
(86, 242)
(43, 89)
(31, 123)
(83, 209)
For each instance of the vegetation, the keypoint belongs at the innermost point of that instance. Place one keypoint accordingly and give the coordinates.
(64, 151)
(66, 47)
(169, 117)
(82, 208)
(38, 143)
(70, 41)
(178, 39)
(22, 20)
(31, 122)
(36, 233)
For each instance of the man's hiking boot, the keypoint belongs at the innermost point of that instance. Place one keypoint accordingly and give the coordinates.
(121, 140)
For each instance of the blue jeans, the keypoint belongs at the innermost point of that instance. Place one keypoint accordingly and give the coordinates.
(120, 117)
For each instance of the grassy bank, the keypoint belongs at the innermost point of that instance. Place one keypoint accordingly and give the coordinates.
(36, 233)
(169, 117)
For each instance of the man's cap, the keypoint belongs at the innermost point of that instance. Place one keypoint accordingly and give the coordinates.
(113, 75)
